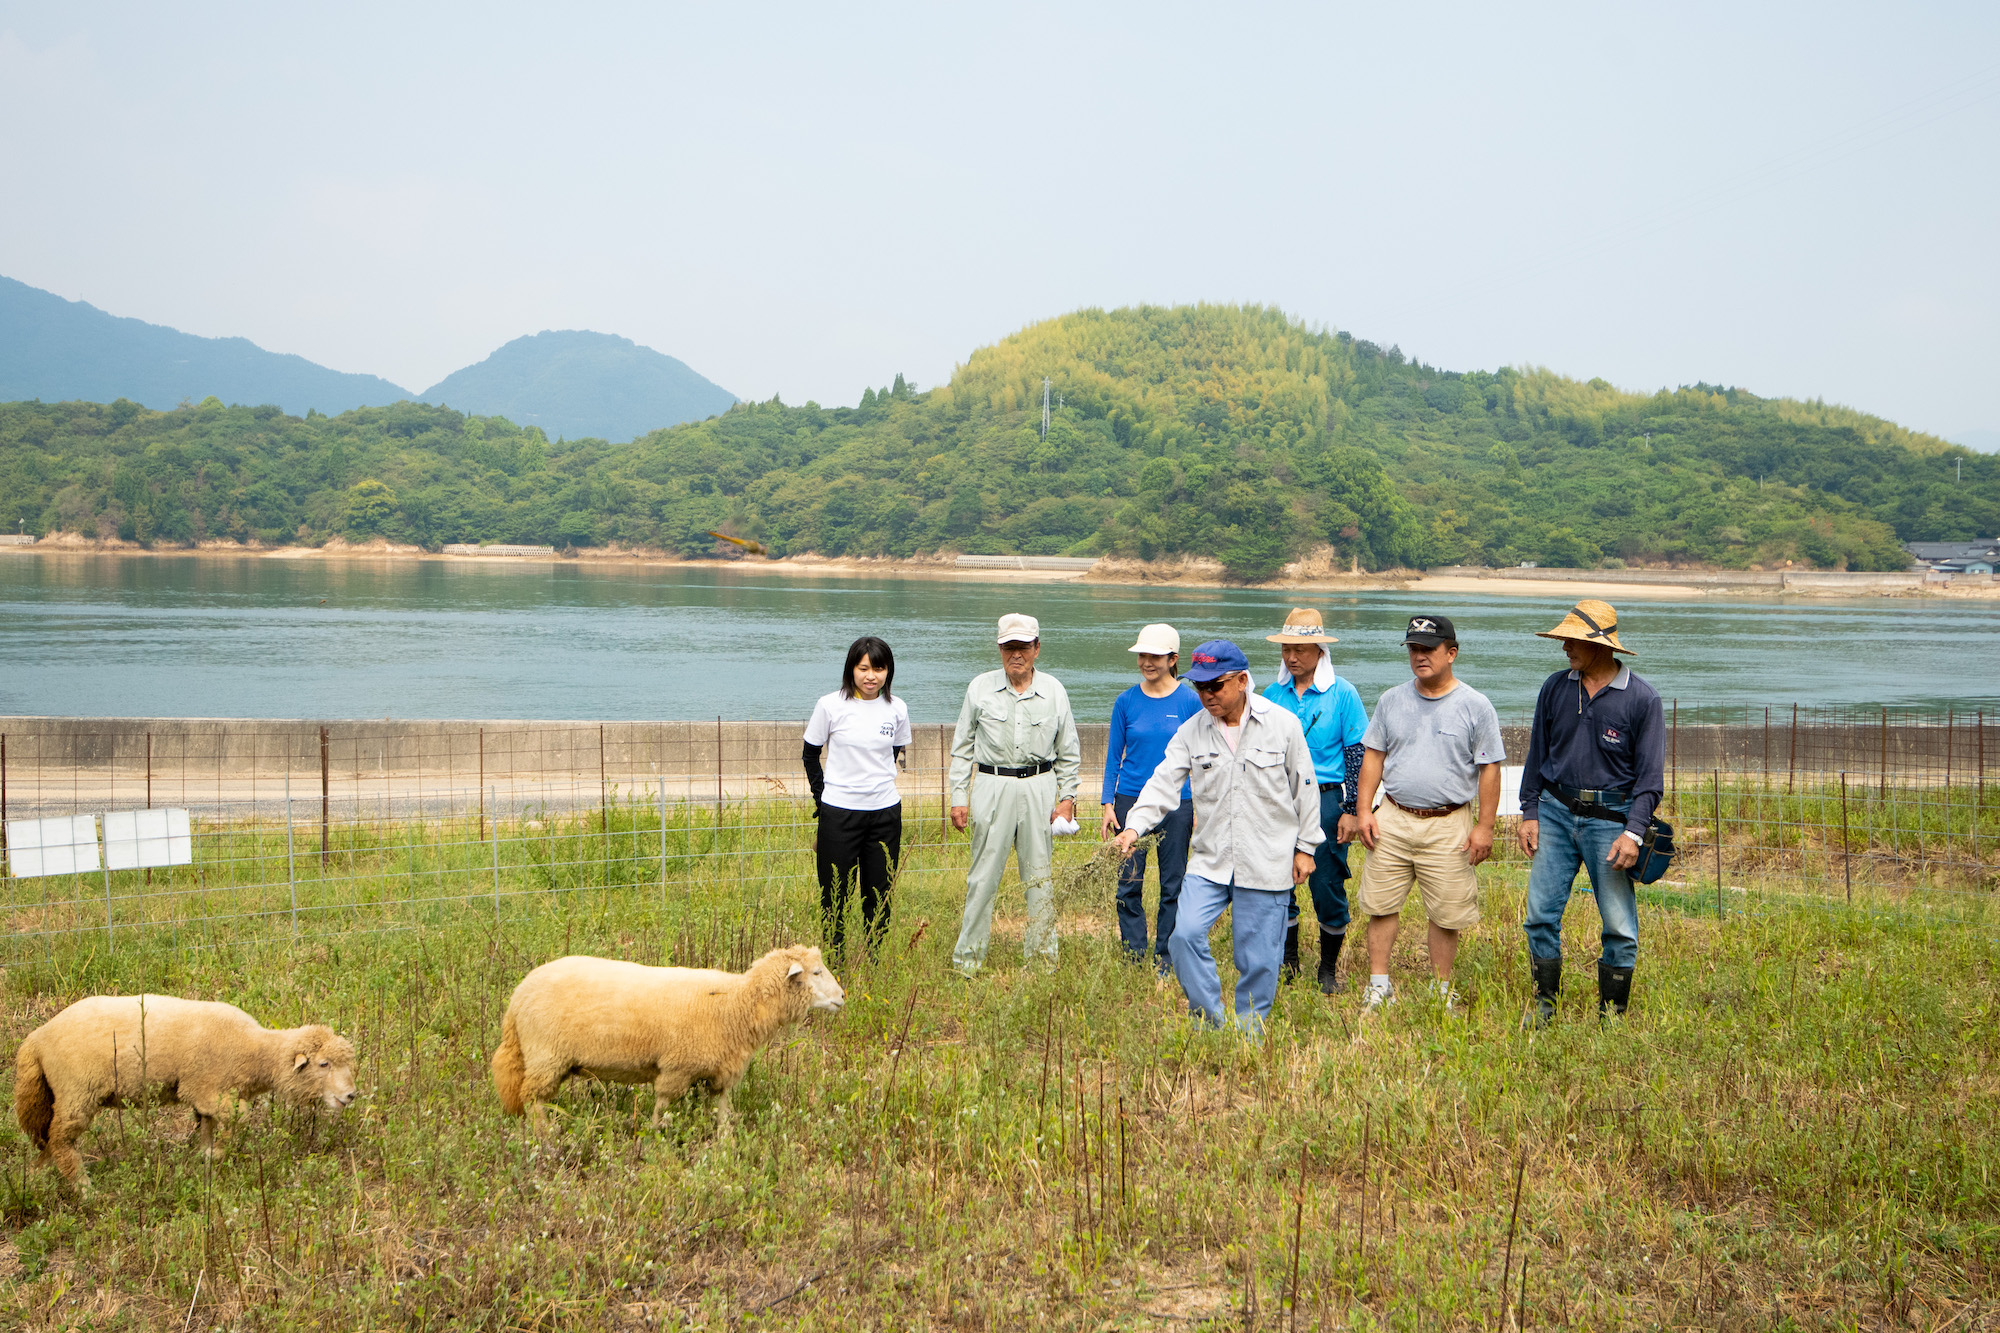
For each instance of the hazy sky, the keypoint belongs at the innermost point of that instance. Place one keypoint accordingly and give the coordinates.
(1800, 199)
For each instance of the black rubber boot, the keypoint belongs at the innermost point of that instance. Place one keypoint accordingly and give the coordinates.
(1289, 970)
(1329, 961)
(1548, 974)
(1614, 989)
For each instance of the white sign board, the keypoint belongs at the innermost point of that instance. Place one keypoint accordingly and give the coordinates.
(137, 838)
(65, 846)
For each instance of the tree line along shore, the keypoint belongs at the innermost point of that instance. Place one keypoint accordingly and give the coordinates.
(1221, 434)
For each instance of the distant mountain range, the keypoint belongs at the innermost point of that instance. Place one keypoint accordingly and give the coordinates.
(572, 384)
(59, 350)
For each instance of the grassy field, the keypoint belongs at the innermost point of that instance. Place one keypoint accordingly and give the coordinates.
(1793, 1128)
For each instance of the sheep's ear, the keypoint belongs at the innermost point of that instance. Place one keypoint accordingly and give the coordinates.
(795, 970)
(300, 1061)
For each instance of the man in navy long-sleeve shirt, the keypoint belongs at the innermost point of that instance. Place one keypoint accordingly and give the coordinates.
(1593, 775)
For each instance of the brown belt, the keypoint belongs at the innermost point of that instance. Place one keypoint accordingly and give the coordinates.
(1437, 812)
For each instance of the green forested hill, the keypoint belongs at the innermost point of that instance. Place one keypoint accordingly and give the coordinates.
(1214, 430)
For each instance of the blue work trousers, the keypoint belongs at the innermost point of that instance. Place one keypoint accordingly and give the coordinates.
(1329, 877)
(1570, 840)
(1257, 930)
(1175, 832)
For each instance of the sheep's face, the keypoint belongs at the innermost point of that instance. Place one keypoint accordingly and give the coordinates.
(810, 971)
(322, 1070)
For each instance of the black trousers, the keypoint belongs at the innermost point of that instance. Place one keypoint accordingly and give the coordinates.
(857, 843)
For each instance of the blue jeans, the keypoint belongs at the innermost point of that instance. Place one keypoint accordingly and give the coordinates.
(1329, 877)
(1567, 841)
(1175, 832)
(1257, 927)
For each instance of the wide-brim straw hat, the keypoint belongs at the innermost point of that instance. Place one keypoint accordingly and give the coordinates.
(1590, 621)
(1303, 625)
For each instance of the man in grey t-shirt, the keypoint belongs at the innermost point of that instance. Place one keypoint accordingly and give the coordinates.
(1431, 747)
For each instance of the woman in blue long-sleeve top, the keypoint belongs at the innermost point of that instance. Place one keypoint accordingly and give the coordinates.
(1143, 720)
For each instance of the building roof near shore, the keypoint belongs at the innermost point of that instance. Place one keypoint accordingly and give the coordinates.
(1934, 553)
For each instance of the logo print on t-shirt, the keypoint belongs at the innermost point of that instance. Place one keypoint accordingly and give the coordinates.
(886, 729)
(1612, 734)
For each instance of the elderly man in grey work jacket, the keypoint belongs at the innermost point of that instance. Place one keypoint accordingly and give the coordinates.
(1016, 730)
(1256, 826)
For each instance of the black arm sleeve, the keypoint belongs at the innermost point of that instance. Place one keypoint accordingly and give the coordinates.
(815, 775)
(1350, 790)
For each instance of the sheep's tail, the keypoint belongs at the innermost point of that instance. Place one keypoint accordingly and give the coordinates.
(34, 1100)
(508, 1068)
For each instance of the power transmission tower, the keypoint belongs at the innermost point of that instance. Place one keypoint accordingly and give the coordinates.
(1045, 407)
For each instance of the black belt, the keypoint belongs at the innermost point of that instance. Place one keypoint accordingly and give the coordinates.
(1047, 765)
(1330, 786)
(1586, 803)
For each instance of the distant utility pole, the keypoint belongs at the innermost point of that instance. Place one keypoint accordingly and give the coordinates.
(1045, 407)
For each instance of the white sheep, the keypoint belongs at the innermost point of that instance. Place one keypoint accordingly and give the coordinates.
(197, 1052)
(668, 1026)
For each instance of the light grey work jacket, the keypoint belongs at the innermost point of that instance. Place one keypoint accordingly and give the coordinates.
(1252, 809)
(1007, 730)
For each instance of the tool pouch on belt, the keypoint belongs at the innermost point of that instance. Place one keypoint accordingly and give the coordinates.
(1656, 852)
(1656, 849)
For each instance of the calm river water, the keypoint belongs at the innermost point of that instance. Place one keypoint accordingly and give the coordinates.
(101, 635)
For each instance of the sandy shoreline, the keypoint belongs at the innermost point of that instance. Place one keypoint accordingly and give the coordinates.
(1313, 577)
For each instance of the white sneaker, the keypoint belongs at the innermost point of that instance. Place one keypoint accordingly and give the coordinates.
(1446, 995)
(1377, 995)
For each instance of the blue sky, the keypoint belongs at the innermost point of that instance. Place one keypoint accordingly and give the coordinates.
(1800, 199)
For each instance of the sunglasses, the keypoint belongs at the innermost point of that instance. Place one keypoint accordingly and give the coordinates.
(1208, 686)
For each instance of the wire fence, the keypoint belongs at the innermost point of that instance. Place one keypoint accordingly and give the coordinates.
(317, 829)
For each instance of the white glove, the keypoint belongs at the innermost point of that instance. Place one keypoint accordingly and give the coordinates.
(1063, 827)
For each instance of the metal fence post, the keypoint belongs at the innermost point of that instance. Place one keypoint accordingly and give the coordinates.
(325, 797)
(1718, 844)
(291, 863)
(1674, 759)
(110, 940)
(482, 784)
(718, 773)
(663, 842)
(1846, 847)
(496, 856)
(3, 791)
(1792, 765)
(1885, 753)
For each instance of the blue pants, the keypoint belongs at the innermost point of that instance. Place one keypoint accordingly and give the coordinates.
(1567, 841)
(1329, 877)
(1175, 831)
(1257, 925)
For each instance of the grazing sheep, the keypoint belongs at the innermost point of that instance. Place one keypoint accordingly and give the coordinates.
(197, 1052)
(668, 1026)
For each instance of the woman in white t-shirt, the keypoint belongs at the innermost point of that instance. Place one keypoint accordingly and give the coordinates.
(854, 745)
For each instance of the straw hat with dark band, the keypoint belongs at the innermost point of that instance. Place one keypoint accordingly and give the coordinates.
(1590, 621)
(1303, 625)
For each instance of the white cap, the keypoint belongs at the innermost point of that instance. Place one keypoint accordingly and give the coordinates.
(1019, 629)
(1158, 640)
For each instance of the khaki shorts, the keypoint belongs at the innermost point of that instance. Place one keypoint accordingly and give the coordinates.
(1430, 851)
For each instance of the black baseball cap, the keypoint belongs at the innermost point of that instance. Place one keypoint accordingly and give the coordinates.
(1429, 632)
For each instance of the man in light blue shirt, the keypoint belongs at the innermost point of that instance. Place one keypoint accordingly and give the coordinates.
(1334, 719)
